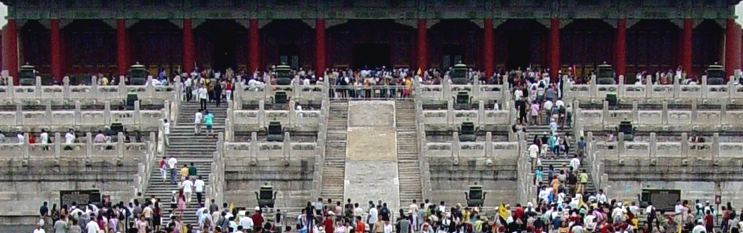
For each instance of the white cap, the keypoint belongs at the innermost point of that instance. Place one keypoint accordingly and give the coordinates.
(257, 208)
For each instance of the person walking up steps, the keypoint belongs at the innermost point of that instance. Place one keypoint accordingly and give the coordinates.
(198, 118)
(203, 96)
(209, 122)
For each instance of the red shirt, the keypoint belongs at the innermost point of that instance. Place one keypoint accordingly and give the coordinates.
(328, 225)
(257, 219)
(360, 227)
(708, 220)
(519, 212)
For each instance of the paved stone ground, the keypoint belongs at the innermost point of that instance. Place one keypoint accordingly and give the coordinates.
(16, 228)
(371, 154)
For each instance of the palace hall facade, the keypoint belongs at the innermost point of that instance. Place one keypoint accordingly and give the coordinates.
(71, 37)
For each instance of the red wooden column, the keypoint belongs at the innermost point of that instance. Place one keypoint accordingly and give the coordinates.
(422, 45)
(10, 49)
(732, 45)
(56, 46)
(320, 47)
(122, 60)
(188, 53)
(487, 46)
(554, 64)
(686, 52)
(620, 49)
(254, 49)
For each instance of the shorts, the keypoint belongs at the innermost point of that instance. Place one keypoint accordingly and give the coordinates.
(208, 127)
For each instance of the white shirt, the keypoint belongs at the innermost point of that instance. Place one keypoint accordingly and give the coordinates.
(187, 186)
(202, 93)
(69, 137)
(601, 198)
(21, 138)
(199, 185)
(198, 117)
(44, 138)
(40, 230)
(373, 215)
(166, 128)
(575, 163)
(171, 162)
(246, 222)
(548, 106)
(533, 150)
(92, 227)
(560, 103)
(518, 94)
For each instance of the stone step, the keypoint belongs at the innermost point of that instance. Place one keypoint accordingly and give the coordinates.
(408, 170)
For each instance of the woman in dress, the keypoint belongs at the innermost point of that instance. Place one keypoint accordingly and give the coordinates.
(141, 224)
(181, 203)
(156, 215)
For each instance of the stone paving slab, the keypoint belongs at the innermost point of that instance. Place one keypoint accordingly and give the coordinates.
(371, 113)
(373, 180)
(371, 144)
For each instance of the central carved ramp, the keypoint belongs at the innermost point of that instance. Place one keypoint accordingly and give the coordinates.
(371, 157)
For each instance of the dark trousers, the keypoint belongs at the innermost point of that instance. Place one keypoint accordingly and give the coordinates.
(198, 197)
(202, 103)
(218, 98)
(189, 95)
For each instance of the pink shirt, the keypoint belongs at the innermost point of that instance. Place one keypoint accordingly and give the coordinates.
(534, 109)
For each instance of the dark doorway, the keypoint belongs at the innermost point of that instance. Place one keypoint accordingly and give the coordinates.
(371, 56)
(453, 54)
(225, 47)
(519, 49)
(289, 55)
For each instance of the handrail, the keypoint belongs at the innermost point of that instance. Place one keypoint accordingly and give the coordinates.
(423, 164)
(322, 136)
(144, 168)
(525, 183)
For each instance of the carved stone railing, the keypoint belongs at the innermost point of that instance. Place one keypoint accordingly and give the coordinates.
(423, 163)
(296, 92)
(78, 118)
(451, 119)
(477, 92)
(257, 120)
(216, 187)
(86, 150)
(272, 151)
(486, 150)
(662, 120)
(526, 186)
(322, 138)
(148, 94)
(652, 149)
(600, 179)
(145, 166)
(630, 92)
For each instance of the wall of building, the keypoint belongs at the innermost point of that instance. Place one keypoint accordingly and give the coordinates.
(449, 182)
(696, 181)
(293, 183)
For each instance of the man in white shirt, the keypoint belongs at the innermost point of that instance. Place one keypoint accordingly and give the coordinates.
(247, 223)
(575, 163)
(533, 152)
(187, 186)
(601, 197)
(44, 136)
(166, 131)
(188, 84)
(203, 96)
(92, 226)
(69, 139)
(373, 217)
(197, 120)
(173, 170)
(547, 108)
(21, 138)
(199, 189)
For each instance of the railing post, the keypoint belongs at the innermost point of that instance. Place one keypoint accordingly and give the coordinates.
(684, 145)
(88, 147)
(287, 147)
(120, 145)
(262, 114)
(50, 117)
(57, 146)
(19, 116)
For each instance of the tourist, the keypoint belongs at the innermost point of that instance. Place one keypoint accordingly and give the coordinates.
(203, 96)
(171, 165)
(209, 122)
(164, 168)
(198, 119)
(199, 189)
(187, 186)
(166, 132)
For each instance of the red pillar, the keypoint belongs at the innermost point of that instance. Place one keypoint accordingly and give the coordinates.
(10, 49)
(620, 50)
(422, 44)
(320, 46)
(487, 50)
(56, 49)
(554, 64)
(686, 52)
(122, 61)
(254, 49)
(188, 57)
(732, 44)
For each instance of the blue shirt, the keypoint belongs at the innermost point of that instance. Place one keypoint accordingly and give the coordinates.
(209, 119)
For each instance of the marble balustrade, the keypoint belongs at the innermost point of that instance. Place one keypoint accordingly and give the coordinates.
(712, 148)
(471, 150)
(87, 150)
(649, 92)
(478, 92)
(144, 120)
(297, 92)
(67, 93)
(258, 120)
(258, 151)
(451, 119)
(664, 119)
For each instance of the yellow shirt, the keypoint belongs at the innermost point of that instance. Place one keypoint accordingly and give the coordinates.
(584, 177)
(184, 172)
(104, 81)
